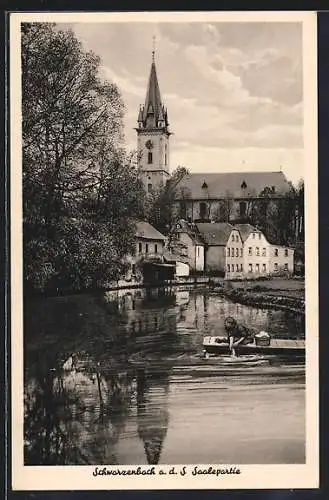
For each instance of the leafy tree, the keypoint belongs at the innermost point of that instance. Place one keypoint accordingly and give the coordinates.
(161, 204)
(80, 188)
(276, 216)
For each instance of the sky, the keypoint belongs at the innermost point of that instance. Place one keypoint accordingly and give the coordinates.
(233, 90)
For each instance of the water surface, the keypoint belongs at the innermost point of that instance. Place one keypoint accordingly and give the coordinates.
(119, 379)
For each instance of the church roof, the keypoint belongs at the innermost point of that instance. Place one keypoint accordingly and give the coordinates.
(147, 231)
(235, 184)
(215, 233)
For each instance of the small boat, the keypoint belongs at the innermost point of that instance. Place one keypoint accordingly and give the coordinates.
(219, 345)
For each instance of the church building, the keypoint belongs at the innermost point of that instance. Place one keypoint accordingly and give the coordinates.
(230, 197)
(153, 136)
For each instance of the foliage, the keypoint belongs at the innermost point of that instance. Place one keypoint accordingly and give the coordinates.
(161, 205)
(279, 218)
(80, 189)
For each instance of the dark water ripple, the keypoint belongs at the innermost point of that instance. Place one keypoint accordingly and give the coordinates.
(119, 379)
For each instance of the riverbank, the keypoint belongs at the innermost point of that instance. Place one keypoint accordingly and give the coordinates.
(275, 293)
(272, 294)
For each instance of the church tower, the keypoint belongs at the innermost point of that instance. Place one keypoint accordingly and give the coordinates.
(153, 136)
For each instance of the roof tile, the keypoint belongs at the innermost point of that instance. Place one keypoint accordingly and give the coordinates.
(235, 184)
(146, 230)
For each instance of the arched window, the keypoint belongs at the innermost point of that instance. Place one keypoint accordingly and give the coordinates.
(165, 158)
(203, 210)
(182, 209)
(149, 188)
(149, 157)
(243, 208)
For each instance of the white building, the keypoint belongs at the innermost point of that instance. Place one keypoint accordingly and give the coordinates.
(281, 259)
(260, 256)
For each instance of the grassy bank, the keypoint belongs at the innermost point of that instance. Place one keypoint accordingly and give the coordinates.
(275, 294)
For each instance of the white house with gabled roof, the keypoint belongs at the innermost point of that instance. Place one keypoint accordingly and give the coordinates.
(260, 256)
(256, 250)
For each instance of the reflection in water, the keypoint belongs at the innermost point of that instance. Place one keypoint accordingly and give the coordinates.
(103, 373)
(152, 412)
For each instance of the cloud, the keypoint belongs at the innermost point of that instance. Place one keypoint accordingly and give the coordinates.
(125, 83)
(227, 86)
(214, 159)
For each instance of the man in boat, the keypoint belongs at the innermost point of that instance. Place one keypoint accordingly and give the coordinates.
(237, 334)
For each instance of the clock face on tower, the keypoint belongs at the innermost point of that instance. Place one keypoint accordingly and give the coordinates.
(149, 144)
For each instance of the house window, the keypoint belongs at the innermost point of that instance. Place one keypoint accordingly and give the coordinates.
(241, 267)
(149, 157)
(140, 247)
(203, 210)
(228, 268)
(233, 237)
(198, 251)
(237, 267)
(250, 251)
(257, 268)
(286, 252)
(133, 269)
(253, 235)
(237, 252)
(243, 208)
(264, 268)
(155, 248)
(286, 266)
(264, 252)
(146, 247)
(257, 251)
(275, 267)
(259, 236)
(228, 252)
(232, 252)
(250, 268)
(149, 188)
(276, 252)
(241, 252)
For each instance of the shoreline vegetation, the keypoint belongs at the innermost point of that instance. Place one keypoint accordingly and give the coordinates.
(267, 300)
(275, 293)
(280, 293)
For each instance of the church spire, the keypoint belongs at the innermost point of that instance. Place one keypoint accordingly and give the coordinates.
(153, 51)
(153, 136)
(153, 114)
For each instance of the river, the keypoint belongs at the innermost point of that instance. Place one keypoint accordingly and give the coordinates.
(118, 378)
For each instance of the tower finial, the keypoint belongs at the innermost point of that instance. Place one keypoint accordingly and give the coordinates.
(153, 51)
